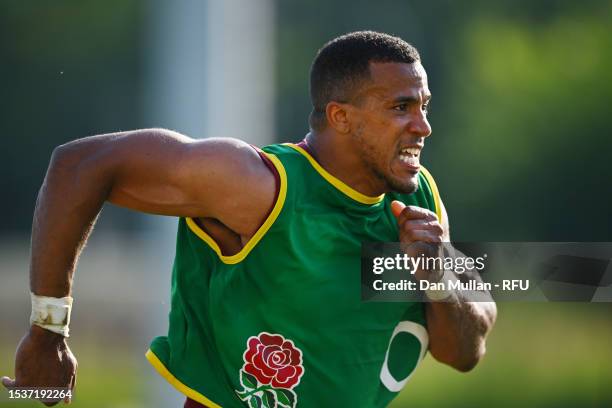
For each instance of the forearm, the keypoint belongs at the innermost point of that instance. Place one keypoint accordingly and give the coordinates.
(458, 330)
(75, 187)
(68, 202)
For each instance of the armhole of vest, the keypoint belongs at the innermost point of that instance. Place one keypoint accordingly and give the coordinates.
(265, 226)
(434, 191)
(176, 383)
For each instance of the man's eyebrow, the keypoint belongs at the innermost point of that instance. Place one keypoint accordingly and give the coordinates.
(411, 99)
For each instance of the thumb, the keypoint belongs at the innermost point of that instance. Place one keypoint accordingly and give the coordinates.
(397, 207)
(7, 382)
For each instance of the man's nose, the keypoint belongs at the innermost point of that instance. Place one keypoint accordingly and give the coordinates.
(420, 125)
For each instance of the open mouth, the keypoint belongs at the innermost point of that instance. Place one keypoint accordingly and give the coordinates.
(410, 156)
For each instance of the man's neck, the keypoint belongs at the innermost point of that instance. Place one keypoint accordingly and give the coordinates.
(342, 162)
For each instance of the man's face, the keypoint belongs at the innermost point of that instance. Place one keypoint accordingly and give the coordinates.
(389, 124)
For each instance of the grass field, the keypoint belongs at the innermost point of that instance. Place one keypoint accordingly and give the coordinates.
(108, 377)
(539, 355)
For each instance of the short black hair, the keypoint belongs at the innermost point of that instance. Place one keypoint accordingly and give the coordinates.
(342, 65)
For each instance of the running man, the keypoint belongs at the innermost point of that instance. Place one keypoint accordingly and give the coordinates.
(265, 305)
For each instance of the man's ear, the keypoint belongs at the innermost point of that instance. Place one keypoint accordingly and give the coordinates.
(337, 116)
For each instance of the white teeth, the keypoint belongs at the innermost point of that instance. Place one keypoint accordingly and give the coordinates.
(412, 151)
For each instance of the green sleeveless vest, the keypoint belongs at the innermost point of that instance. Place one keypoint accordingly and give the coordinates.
(281, 323)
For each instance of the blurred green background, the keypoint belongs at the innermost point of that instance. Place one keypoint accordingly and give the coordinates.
(520, 149)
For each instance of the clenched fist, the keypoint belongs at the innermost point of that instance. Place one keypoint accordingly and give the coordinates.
(43, 360)
(420, 233)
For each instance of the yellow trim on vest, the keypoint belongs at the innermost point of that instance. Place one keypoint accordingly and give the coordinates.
(434, 191)
(176, 383)
(280, 201)
(340, 185)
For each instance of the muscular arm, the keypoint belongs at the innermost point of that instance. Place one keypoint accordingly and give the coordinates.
(457, 328)
(154, 171)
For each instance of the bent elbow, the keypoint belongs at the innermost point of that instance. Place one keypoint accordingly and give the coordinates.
(466, 365)
(58, 154)
(467, 361)
(66, 163)
(76, 153)
(62, 156)
(462, 357)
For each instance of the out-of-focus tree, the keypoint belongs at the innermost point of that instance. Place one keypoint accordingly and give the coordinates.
(69, 69)
(520, 108)
(526, 136)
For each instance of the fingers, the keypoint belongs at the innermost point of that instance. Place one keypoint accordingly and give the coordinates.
(67, 400)
(420, 235)
(397, 207)
(8, 382)
(410, 212)
(417, 224)
(433, 226)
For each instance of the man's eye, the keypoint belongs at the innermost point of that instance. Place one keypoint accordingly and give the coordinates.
(401, 107)
(425, 108)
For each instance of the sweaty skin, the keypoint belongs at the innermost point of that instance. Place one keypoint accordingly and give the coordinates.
(226, 186)
(221, 181)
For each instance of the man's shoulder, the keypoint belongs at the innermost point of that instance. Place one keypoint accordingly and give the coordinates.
(280, 148)
(289, 155)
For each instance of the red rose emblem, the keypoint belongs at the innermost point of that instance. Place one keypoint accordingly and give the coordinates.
(273, 360)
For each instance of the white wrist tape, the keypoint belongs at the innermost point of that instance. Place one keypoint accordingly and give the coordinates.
(441, 294)
(51, 313)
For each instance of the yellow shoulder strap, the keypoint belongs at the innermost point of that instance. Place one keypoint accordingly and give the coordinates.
(434, 190)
